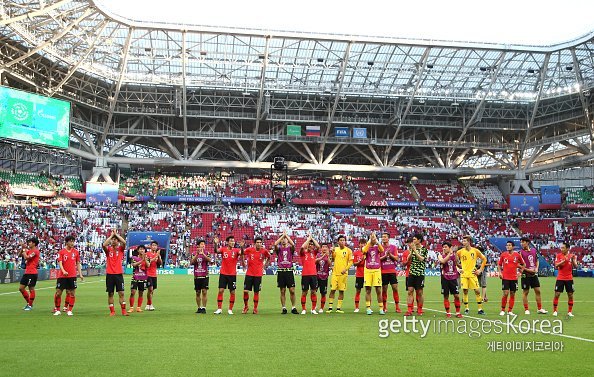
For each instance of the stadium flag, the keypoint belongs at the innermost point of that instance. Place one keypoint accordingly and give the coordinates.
(360, 133)
(293, 130)
(312, 130)
(341, 131)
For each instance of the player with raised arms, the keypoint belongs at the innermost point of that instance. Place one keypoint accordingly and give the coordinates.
(114, 248)
(154, 256)
(309, 273)
(284, 248)
(373, 272)
(323, 272)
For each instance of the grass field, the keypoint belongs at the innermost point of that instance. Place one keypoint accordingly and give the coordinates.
(173, 340)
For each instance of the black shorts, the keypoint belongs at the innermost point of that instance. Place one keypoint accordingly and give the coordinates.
(252, 283)
(200, 283)
(416, 282)
(359, 282)
(449, 286)
(228, 282)
(530, 281)
(152, 282)
(389, 278)
(309, 282)
(509, 285)
(323, 286)
(139, 285)
(564, 284)
(114, 283)
(285, 279)
(29, 280)
(66, 283)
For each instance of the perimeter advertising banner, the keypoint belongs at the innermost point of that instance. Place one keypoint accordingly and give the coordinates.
(135, 239)
(102, 193)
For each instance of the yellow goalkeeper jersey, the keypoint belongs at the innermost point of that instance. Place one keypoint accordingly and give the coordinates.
(343, 259)
(468, 260)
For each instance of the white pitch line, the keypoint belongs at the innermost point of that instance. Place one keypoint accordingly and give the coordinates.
(518, 327)
(52, 287)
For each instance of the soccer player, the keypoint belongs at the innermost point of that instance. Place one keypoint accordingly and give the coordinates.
(564, 263)
(29, 279)
(530, 276)
(114, 250)
(154, 256)
(509, 262)
(200, 260)
(359, 263)
(69, 265)
(323, 271)
(257, 257)
(309, 273)
(228, 273)
(140, 264)
(468, 256)
(373, 272)
(449, 278)
(342, 257)
(482, 278)
(405, 264)
(284, 248)
(388, 259)
(416, 279)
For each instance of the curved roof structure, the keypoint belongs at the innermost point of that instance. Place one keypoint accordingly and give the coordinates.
(195, 96)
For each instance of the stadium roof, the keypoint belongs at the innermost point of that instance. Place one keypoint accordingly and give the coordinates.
(193, 96)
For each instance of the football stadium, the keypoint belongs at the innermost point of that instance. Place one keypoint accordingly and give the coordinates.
(191, 194)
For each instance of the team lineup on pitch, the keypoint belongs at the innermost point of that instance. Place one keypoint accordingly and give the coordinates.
(322, 264)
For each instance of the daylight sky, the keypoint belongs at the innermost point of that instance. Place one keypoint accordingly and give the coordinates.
(504, 21)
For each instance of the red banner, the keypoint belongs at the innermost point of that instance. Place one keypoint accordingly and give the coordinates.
(581, 206)
(323, 202)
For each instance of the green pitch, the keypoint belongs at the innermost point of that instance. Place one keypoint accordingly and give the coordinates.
(175, 341)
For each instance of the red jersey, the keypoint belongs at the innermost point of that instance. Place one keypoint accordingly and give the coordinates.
(32, 262)
(565, 270)
(255, 260)
(405, 262)
(115, 257)
(229, 260)
(69, 258)
(308, 261)
(357, 258)
(509, 263)
(152, 269)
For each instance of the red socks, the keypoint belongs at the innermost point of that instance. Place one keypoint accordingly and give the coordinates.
(111, 308)
(446, 305)
(256, 300)
(25, 296)
(323, 302)
(246, 297)
(357, 298)
(314, 301)
(57, 301)
(231, 301)
(457, 304)
(219, 300)
(31, 297)
(555, 303)
(503, 302)
(140, 300)
(538, 305)
(570, 305)
(384, 298)
(512, 300)
(149, 300)
(71, 303)
(303, 300)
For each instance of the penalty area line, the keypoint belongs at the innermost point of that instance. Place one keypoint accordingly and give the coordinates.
(518, 327)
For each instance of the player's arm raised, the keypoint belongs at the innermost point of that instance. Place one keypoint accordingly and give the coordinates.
(120, 238)
(106, 242)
